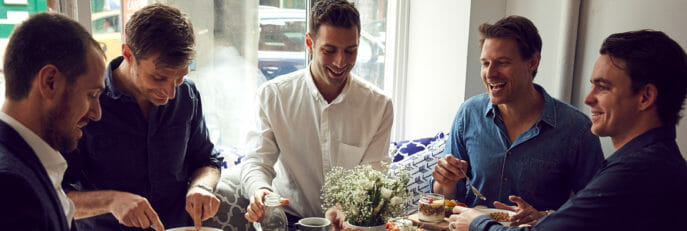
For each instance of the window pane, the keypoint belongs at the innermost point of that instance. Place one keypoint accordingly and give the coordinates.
(281, 46)
(106, 26)
(10, 16)
(241, 44)
(370, 62)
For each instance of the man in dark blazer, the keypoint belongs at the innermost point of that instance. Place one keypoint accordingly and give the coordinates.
(54, 73)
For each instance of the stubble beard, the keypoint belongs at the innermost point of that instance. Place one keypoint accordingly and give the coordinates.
(57, 138)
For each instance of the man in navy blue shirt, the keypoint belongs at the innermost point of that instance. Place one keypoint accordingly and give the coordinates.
(638, 87)
(149, 161)
(516, 139)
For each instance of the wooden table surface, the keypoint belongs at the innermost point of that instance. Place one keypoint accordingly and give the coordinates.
(440, 226)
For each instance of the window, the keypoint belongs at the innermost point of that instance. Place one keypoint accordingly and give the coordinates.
(11, 14)
(106, 26)
(240, 45)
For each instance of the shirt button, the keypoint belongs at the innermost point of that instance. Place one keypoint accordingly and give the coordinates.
(505, 179)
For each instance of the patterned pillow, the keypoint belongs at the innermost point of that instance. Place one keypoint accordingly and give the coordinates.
(419, 156)
(232, 156)
(232, 206)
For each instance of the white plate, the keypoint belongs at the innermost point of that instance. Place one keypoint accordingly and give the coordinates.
(192, 228)
(491, 210)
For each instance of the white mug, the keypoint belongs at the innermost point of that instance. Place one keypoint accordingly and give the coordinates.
(313, 224)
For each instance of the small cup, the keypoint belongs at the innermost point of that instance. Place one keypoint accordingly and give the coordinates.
(431, 207)
(313, 224)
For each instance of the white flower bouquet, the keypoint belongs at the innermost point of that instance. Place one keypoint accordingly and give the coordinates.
(367, 197)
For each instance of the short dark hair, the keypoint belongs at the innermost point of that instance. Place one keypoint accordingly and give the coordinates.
(164, 30)
(45, 38)
(338, 13)
(651, 57)
(519, 28)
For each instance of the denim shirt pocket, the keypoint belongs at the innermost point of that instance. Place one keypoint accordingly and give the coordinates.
(349, 156)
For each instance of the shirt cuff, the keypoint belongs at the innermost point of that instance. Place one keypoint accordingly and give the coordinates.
(482, 223)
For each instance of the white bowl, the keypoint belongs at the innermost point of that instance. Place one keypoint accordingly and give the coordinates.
(185, 228)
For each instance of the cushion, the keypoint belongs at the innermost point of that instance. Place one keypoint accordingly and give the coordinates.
(419, 157)
(232, 157)
(232, 205)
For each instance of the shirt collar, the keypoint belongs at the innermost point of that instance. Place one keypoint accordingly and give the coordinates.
(316, 92)
(111, 89)
(50, 158)
(654, 135)
(548, 113)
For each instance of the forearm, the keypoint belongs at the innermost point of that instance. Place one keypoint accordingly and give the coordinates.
(92, 203)
(206, 175)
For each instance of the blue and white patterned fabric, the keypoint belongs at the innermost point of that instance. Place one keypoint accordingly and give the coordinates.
(419, 157)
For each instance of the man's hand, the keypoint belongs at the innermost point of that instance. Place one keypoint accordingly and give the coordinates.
(201, 205)
(336, 217)
(462, 217)
(524, 212)
(256, 208)
(447, 171)
(133, 210)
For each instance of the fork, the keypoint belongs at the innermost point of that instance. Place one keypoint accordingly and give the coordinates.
(474, 190)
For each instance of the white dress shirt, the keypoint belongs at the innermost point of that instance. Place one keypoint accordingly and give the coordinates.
(298, 137)
(52, 161)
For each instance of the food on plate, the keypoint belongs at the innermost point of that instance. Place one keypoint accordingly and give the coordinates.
(499, 216)
(431, 208)
(448, 206)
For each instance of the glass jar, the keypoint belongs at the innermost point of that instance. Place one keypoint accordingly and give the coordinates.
(274, 218)
(431, 207)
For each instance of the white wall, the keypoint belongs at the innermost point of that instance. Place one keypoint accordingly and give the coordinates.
(436, 66)
(557, 25)
(481, 11)
(600, 18)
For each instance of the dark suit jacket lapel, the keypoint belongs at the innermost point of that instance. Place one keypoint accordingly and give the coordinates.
(18, 146)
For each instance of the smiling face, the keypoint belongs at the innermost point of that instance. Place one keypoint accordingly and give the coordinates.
(77, 104)
(504, 73)
(334, 53)
(156, 82)
(614, 106)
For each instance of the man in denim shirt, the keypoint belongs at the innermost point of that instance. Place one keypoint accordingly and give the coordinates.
(149, 161)
(639, 84)
(515, 139)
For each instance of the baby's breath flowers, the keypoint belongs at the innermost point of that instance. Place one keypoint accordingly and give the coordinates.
(367, 197)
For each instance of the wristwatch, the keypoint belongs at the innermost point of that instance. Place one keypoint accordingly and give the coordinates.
(549, 212)
(204, 186)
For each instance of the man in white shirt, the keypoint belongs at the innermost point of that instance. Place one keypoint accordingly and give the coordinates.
(54, 73)
(315, 119)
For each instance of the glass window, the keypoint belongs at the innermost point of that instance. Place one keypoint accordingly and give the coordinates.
(240, 45)
(370, 62)
(106, 26)
(11, 14)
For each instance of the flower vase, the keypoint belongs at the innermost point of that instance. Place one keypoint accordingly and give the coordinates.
(366, 228)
